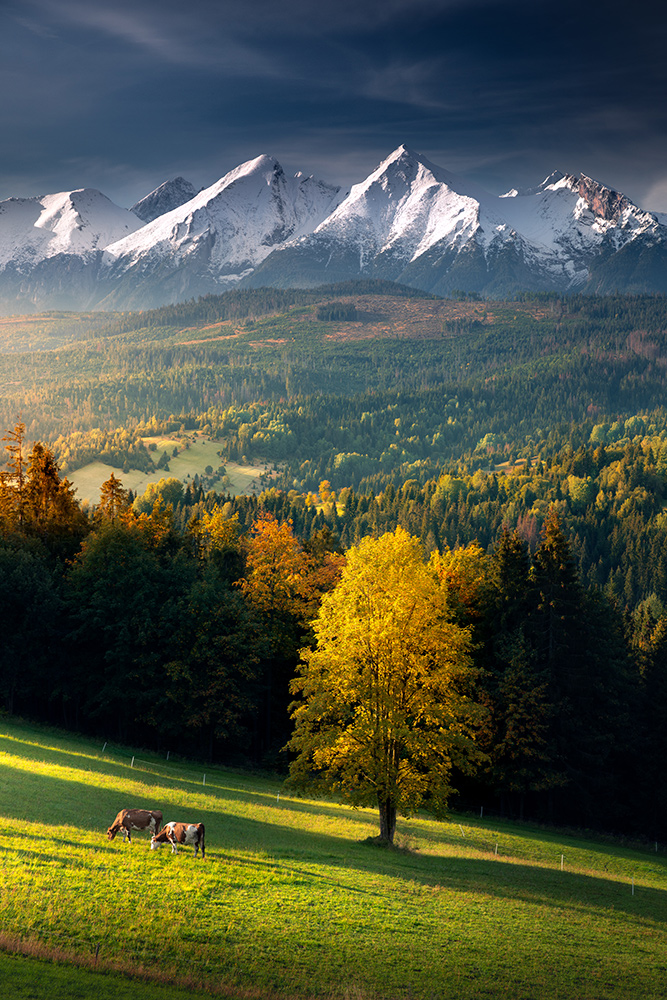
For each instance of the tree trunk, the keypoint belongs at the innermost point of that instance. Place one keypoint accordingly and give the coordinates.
(387, 820)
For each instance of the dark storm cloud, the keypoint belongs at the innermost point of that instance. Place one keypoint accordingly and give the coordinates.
(122, 95)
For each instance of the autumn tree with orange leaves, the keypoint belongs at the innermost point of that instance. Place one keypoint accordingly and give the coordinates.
(284, 584)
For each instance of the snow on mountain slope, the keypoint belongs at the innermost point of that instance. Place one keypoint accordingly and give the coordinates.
(227, 229)
(409, 221)
(408, 209)
(165, 198)
(71, 222)
(406, 201)
(414, 222)
(576, 214)
(410, 202)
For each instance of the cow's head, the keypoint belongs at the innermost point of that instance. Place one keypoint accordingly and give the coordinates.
(113, 830)
(156, 842)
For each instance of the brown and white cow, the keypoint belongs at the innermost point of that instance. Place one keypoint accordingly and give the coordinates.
(187, 834)
(135, 819)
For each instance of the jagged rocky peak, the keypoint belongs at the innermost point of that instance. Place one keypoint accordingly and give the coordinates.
(414, 171)
(398, 172)
(604, 202)
(549, 182)
(219, 235)
(402, 177)
(409, 220)
(404, 166)
(168, 196)
(265, 174)
(403, 160)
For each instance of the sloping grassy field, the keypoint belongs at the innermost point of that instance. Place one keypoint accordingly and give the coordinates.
(290, 900)
(202, 452)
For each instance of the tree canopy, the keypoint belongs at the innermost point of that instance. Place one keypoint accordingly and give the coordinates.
(383, 713)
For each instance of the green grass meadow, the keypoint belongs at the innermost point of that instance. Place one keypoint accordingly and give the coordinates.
(291, 901)
(203, 452)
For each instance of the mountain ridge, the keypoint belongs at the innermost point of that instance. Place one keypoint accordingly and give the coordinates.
(409, 221)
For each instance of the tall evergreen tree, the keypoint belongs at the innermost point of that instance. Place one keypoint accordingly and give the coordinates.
(50, 508)
(123, 597)
(114, 500)
(30, 608)
(521, 715)
(13, 480)
(579, 652)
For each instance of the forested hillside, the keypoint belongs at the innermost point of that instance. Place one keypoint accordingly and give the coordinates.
(409, 385)
(525, 442)
(126, 626)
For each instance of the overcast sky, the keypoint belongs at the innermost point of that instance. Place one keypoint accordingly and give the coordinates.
(125, 94)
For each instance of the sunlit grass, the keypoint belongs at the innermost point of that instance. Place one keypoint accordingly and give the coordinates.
(291, 901)
(203, 452)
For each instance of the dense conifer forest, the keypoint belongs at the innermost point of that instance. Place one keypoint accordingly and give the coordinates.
(524, 442)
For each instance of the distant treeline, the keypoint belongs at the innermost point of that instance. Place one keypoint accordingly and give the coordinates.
(240, 303)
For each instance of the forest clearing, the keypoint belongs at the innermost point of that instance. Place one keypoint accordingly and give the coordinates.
(201, 454)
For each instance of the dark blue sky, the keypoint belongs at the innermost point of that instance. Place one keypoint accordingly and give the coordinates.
(125, 94)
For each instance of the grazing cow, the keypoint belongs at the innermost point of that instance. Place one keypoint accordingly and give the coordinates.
(135, 819)
(180, 833)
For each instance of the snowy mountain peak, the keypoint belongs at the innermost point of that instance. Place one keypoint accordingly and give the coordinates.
(69, 222)
(409, 221)
(168, 196)
(224, 231)
(404, 166)
(550, 182)
(401, 158)
(84, 219)
(405, 207)
(415, 222)
(264, 169)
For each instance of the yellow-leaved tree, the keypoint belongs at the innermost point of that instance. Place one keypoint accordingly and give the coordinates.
(383, 712)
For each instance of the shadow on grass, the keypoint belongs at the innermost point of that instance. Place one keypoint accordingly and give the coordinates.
(231, 841)
(513, 881)
(60, 801)
(151, 771)
(587, 842)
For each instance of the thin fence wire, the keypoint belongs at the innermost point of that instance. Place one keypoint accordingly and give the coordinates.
(178, 769)
(185, 772)
(173, 769)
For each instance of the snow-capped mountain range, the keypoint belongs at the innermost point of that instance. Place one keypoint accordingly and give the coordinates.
(409, 221)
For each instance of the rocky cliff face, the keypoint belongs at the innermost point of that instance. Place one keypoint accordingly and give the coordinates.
(602, 201)
(165, 198)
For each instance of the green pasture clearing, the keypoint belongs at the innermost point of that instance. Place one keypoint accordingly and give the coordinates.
(200, 453)
(244, 478)
(293, 901)
(89, 478)
(189, 462)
